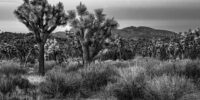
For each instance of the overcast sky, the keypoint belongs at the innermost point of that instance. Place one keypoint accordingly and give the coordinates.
(174, 15)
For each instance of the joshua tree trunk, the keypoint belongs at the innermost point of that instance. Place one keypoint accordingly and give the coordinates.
(86, 54)
(41, 59)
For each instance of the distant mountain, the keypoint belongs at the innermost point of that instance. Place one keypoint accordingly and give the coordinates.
(133, 33)
(143, 32)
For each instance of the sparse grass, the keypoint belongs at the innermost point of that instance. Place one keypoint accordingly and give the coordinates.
(11, 68)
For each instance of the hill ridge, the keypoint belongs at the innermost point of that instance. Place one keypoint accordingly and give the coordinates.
(133, 32)
(143, 32)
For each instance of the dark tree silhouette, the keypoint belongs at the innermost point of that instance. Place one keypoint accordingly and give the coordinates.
(42, 19)
(91, 30)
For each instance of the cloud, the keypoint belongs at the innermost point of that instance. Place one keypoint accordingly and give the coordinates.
(172, 13)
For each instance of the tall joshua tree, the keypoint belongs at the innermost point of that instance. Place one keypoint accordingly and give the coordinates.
(42, 19)
(91, 30)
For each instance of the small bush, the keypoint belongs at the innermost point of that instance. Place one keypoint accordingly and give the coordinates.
(168, 88)
(192, 70)
(6, 85)
(14, 86)
(22, 83)
(130, 84)
(96, 77)
(11, 68)
(59, 85)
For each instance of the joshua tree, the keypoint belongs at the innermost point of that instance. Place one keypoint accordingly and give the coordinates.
(91, 30)
(42, 19)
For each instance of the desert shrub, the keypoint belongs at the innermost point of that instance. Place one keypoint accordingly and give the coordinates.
(11, 68)
(14, 87)
(6, 86)
(168, 88)
(192, 70)
(59, 84)
(96, 77)
(130, 84)
(22, 83)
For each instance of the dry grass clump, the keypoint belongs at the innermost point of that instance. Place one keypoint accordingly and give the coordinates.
(169, 88)
(59, 84)
(96, 77)
(130, 84)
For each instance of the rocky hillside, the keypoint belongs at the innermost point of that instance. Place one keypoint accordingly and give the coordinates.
(143, 32)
